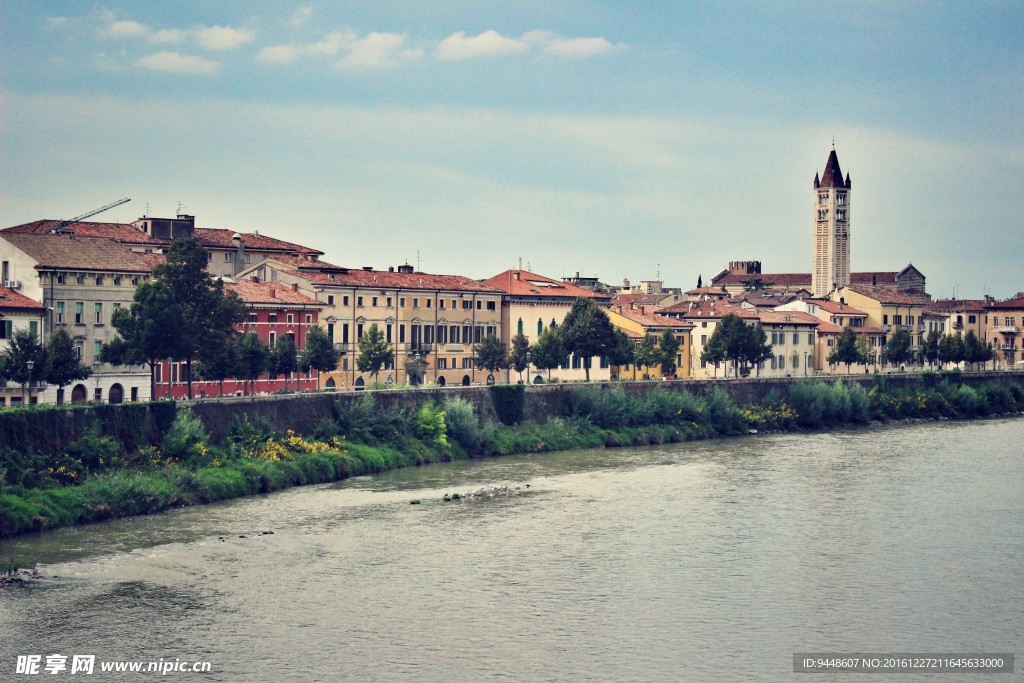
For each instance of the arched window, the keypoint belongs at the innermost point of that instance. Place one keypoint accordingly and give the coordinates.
(520, 326)
(540, 326)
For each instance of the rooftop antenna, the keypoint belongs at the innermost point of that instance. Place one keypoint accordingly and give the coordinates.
(418, 261)
(833, 142)
(147, 210)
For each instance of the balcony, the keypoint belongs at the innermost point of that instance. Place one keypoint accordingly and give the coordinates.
(420, 348)
(1006, 329)
(1007, 347)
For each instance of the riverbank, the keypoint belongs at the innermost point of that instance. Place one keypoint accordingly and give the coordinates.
(99, 476)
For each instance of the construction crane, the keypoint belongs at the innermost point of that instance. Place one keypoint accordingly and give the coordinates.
(88, 214)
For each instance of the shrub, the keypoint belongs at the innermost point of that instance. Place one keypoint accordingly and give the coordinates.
(186, 440)
(462, 424)
(430, 425)
(508, 401)
(722, 414)
(94, 452)
(355, 419)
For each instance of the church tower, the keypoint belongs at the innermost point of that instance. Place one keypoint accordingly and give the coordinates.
(831, 265)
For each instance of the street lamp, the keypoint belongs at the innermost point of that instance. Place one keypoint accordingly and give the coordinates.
(30, 365)
(298, 372)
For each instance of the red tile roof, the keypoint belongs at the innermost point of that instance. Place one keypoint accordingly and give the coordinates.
(707, 309)
(252, 292)
(887, 296)
(829, 328)
(526, 284)
(222, 239)
(948, 305)
(836, 307)
(394, 280)
(713, 291)
(115, 231)
(788, 318)
(639, 299)
(79, 253)
(12, 301)
(1016, 302)
(648, 319)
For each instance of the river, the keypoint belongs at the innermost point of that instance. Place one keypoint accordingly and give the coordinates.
(702, 561)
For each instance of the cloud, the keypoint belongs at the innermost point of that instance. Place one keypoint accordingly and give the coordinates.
(377, 50)
(125, 29)
(174, 62)
(279, 54)
(168, 35)
(332, 44)
(578, 48)
(300, 16)
(54, 22)
(488, 44)
(220, 38)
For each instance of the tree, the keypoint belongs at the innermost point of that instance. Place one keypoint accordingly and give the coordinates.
(845, 350)
(282, 359)
(736, 341)
(374, 352)
(517, 358)
(974, 349)
(218, 362)
(951, 349)
(756, 348)
(208, 316)
(251, 358)
(491, 354)
(623, 352)
(319, 353)
(931, 347)
(714, 351)
(865, 353)
(149, 331)
(63, 366)
(24, 348)
(897, 347)
(547, 352)
(587, 332)
(668, 347)
(646, 353)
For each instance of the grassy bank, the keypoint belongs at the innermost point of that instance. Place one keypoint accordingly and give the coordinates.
(101, 477)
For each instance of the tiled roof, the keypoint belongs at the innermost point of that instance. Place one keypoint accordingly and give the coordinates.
(79, 253)
(788, 318)
(708, 309)
(652, 319)
(527, 284)
(222, 239)
(801, 279)
(394, 280)
(252, 292)
(759, 301)
(639, 299)
(887, 296)
(829, 328)
(957, 305)
(1016, 302)
(836, 307)
(12, 301)
(304, 263)
(122, 232)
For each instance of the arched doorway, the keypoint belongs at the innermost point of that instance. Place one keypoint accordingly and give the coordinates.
(441, 381)
(116, 394)
(329, 384)
(360, 384)
(79, 393)
(465, 380)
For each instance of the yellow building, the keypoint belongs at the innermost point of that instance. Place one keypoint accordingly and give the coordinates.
(888, 310)
(637, 322)
(1005, 319)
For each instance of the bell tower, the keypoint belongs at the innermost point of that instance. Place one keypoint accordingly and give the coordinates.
(830, 267)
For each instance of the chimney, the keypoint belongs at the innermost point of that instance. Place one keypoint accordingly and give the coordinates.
(391, 269)
(405, 268)
(273, 293)
(516, 275)
(295, 286)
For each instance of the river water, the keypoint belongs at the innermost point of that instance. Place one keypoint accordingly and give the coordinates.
(699, 561)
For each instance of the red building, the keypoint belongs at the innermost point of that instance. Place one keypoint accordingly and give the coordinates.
(273, 310)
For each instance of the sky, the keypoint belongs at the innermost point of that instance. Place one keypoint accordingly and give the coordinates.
(619, 139)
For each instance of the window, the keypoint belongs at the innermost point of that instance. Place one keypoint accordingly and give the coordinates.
(344, 333)
(99, 280)
(33, 328)
(442, 363)
(810, 338)
(136, 280)
(519, 326)
(490, 305)
(309, 318)
(253, 318)
(440, 304)
(330, 299)
(290, 318)
(389, 302)
(387, 330)
(60, 312)
(478, 334)
(455, 335)
(796, 338)
(78, 349)
(704, 323)
(401, 302)
(248, 258)
(97, 395)
(344, 301)
(479, 305)
(273, 338)
(117, 280)
(885, 319)
(428, 334)
(467, 305)
(99, 314)
(442, 334)
(359, 331)
(796, 362)
(467, 363)
(135, 394)
(416, 302)
(540, 326)
(841, 199)
(229, 256)
(79, 313)
(330, 331)
(428, 302)
(841, 214)
(359, 302)
(782, 362)
(373, 302)
(971, 319)
(62, 278)
(272, 318)
(491, 331)
(401, 334)
(97, 348)
(704, 339)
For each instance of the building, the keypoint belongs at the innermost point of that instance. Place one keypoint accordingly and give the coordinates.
(745, 276)
(639, 321)
(18, 313)
(432, 322)
(888, 310)
(532, 303)
(794, 339)
(830, 262)
(1004, 324)
(835, 317)
(705, 316)
(960, 315)
(272, 310)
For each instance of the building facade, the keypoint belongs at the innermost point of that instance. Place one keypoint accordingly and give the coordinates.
(830, 264)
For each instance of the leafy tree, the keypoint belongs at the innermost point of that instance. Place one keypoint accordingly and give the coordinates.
(668, 347)
(319, 353)
(646, 354)
(623, 352)
(845, 350)
(491, 354)
(251, 357)
(931, 347)
(547, 352)
(63, 366)
(208, 316)
(374, 352)
(737, 342)
(975, 350)
(218, 362)
(756, 348)
(517, 359)
(24, 348)
(865, 353)
(282, 358)
(149, 331)
(897, 347)
(951, 349)
(587, 332)
(714, 351)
